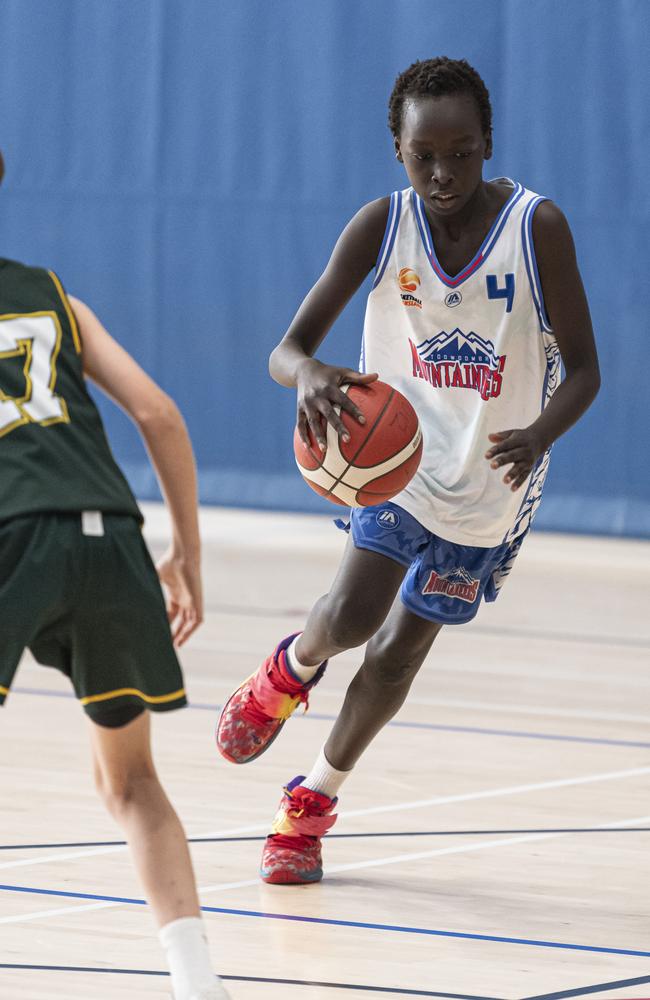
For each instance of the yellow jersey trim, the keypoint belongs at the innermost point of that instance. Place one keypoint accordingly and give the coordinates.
(4, 690)
(68, 308)
(152, 699)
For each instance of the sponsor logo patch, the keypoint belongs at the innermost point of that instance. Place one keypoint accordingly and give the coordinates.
(388, 519)
(408, 282)
(453, 299)
(458, 583)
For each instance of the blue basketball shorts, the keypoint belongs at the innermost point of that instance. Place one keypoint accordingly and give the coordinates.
(444, 581)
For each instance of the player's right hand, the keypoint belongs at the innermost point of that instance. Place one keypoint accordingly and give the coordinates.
(319, 391)
(181, 578)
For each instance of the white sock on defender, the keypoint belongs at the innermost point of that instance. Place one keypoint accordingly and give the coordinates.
(302, 672)
(188, 958)
(324, 778)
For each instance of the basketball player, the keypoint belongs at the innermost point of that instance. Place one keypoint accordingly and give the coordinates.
(476, 297)
(78, 586)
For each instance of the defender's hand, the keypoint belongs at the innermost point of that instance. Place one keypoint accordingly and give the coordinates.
(181, 578)
(518, 448)
(319, 391)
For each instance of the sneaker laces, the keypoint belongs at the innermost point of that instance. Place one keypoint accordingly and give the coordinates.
(299, 842)
(253, 711)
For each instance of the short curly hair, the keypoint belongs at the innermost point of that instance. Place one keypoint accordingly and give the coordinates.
(437, 78)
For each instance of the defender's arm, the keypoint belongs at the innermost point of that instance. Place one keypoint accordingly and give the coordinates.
(163, 430)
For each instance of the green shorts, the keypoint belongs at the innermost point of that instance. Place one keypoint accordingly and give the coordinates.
(91, 606)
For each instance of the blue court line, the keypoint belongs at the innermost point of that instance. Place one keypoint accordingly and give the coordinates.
(397, 724)
(392, 990)
(363, 925)
(343, 836)
(582, 991)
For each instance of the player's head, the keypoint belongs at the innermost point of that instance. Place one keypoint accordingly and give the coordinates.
(441, 119)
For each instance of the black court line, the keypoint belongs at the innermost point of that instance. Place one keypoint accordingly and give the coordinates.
(582, 991)
(391, 990)
(519, 734)
(342, 836)
(636, 642)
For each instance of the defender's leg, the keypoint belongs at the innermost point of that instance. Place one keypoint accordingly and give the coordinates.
(126, 779)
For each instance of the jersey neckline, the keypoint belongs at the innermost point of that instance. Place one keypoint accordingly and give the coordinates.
(452, 281)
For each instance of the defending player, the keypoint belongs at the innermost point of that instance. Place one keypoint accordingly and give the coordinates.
(78, 586)
(476, 296)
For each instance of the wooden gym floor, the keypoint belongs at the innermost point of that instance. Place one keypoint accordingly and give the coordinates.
(493, 843)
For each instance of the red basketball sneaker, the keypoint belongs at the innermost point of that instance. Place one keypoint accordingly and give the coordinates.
(256, 712)
(292, 852)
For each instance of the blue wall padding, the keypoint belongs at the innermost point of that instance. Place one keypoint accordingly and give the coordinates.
(187, 165)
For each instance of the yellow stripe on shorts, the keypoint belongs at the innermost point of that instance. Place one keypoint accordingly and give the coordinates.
(4, 690)
(152, 699)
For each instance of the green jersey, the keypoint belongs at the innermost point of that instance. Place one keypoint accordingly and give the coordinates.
(54, 455)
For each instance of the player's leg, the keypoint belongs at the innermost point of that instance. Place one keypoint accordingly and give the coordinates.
(292, 852)
(379, 688)
(445, 583)
(127, 782)
(355, 607)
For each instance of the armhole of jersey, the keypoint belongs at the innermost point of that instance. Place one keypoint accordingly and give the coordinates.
(531, 263)
(69, 313)
(390, 233)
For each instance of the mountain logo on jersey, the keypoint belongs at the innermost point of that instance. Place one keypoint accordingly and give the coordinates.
(459, 360)
(458, 583)
(453, 299)
(408, 282)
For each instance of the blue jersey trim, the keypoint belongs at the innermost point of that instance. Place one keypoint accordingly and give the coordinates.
(538, 468)
(481, 254)
(531, 264)
(390, 233)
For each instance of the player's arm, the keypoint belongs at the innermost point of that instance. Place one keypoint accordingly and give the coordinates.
(163, 430)
(568, 312)
(292, 362)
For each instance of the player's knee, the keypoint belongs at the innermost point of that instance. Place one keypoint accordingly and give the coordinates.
(123, 791)
(350, 623)
(392, 660)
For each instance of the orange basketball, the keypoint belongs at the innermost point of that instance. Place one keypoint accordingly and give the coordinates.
(380, 458)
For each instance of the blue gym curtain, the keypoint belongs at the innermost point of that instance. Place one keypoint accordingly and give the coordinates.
(186, 166)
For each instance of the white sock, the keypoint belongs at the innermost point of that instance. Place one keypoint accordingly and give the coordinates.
(324, 778)
(302, 671)
(188, 958)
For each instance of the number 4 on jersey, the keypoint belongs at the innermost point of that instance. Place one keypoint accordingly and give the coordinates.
(36, 338)
(507, 292)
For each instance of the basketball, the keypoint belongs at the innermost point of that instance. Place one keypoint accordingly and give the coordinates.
(380, 458)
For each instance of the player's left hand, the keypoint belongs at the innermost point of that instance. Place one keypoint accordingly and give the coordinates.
(181, 577)
(518, 448)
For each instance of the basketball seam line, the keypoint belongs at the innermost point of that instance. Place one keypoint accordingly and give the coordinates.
(365, 442)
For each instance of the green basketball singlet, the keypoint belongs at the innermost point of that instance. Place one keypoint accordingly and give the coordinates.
(77, 585)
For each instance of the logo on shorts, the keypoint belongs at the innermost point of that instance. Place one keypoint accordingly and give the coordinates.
(458, 583)
(388, 519)
(408, 282)
(453, 299)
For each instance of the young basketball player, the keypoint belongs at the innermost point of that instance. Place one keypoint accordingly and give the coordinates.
(476, 296)
(78, 586)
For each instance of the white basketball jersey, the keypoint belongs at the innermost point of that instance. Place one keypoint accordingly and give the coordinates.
(474, 354)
